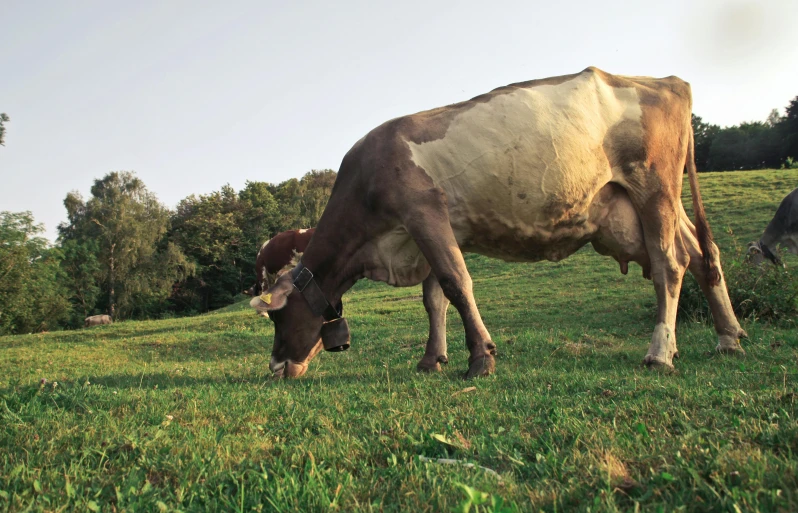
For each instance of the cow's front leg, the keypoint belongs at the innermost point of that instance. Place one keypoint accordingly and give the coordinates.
(435, 303)
(428, 224)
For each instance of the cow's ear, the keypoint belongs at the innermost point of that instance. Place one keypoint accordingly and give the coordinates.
(276, 297)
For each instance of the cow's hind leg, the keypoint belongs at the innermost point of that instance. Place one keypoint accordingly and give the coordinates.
(428, 223)
(726, 325)
(436, 304)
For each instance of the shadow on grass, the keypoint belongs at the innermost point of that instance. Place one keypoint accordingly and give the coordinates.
(134, 330)
(200, 348)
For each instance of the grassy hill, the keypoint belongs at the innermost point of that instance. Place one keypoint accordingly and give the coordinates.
(182, 414)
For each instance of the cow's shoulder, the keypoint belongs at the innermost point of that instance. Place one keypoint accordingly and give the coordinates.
(787, 213)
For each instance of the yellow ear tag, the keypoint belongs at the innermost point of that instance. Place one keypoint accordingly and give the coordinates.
(266, 298)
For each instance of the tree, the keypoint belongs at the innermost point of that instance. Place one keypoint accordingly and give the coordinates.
(788, 128)
(260, 222)
(209, 230)
(316, 188)
(3, 119)
(137, 265)
(704, 134)
(32, 297)
(288, 195)
(222, 233)
(303, 201)
(753, 145)
(82, 275)
(774, 118)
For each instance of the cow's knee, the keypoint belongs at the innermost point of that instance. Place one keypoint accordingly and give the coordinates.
(454, 287)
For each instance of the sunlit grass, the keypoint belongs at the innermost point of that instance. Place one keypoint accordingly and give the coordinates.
(181, 414)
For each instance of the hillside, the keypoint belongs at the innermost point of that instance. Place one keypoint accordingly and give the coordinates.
(181, 414)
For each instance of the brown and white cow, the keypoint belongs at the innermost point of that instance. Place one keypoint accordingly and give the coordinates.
(97, 320)
(527, 172)
(277, 253)
(781, 231)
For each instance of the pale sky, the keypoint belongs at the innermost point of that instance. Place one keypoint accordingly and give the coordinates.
(192, 95)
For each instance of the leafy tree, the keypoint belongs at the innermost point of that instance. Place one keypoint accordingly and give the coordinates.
(303, 201)
(222, 232)
(82, 274)
(316, 189)
(262, 211)
(789, 130)
(752, 145)
(774, 118)
(260, 222)
(288, 195)
(3, 119)
(209, 230)
(32, 297)
(704, 134)
(137, 265)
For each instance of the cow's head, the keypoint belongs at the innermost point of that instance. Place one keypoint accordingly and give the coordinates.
(299, 333)
(754, 253)
(757, 253)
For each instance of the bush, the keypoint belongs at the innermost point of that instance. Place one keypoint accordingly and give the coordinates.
(790, 163)
(765, 293)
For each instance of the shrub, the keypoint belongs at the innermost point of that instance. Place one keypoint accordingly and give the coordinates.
(790, 163)
(765, 293)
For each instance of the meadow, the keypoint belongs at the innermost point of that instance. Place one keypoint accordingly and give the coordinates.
(182, 414)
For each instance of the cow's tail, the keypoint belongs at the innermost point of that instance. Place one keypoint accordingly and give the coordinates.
(703, 232)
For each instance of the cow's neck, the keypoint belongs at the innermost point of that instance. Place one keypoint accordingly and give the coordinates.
(334, 260)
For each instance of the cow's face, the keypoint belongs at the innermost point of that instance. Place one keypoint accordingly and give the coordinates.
(297, 331)
(758, 252)
(754, 253)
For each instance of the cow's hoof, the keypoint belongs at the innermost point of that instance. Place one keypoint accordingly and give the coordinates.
(427, 367)
(431, 369)
(657, 363)
(484, 366)
(729, 345)
(432, 363)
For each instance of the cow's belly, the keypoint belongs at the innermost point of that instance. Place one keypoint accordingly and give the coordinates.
(531, 213)
(397, 260)
(609, 221)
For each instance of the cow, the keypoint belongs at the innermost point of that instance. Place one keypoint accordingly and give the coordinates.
(97, 320)
(275, 254)
(782, 230)
(527, 172)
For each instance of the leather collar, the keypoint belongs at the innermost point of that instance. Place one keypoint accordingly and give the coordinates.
(305, 283)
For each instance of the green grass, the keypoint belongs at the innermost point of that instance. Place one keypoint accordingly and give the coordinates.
(181, 414)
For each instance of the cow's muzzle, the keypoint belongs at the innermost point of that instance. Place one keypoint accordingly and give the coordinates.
(277, 368)
(335, 335)
(287, 369)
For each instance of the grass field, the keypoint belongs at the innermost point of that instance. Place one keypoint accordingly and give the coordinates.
(182, 414)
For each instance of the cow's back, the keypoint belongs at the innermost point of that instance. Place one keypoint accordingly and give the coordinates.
(97, 320)
(521, 165)
(279, 251)
(529, 161)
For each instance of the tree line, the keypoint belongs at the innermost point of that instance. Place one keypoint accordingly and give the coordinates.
(124, 253)
(768, 144)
